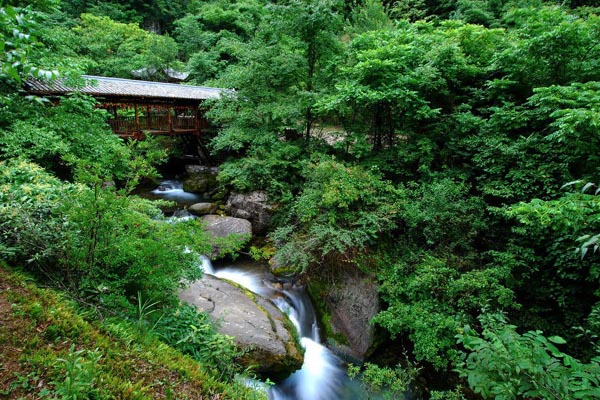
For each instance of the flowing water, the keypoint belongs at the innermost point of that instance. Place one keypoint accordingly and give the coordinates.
(323, 375)
(172, 189)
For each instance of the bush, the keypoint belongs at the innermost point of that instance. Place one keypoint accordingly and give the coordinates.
(341, 209)
(95, 241)
(503, 364)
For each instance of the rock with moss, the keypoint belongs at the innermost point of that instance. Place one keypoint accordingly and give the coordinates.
(253, 321)
(219, 226)
(227, 234)
(281, 270)
(346, 307)
(202, 208)
(200, 179)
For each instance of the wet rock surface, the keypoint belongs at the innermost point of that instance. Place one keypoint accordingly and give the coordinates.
(352, 301)
(200, 179)
(202, 208)
(254, 322)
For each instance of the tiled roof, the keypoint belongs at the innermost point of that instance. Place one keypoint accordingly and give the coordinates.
(103, 86)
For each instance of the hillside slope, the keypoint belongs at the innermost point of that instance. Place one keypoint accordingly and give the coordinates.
(48, 350)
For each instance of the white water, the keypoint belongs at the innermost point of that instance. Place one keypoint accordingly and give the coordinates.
(323, 375)
(206, 265)
(173, 190)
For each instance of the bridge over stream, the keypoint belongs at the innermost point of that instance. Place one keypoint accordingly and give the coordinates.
(139, 107)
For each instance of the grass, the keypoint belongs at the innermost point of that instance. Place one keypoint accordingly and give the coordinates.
(48, 350)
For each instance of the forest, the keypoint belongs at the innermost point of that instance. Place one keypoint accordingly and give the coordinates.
(448, 150)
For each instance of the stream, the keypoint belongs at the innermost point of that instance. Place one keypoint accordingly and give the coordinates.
(322, 375)
(173, 190)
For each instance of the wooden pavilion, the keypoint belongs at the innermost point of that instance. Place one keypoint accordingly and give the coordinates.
(140, 107)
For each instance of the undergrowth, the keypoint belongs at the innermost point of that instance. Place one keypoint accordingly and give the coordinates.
(50, 351)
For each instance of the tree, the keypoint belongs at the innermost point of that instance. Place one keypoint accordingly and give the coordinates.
(406, 90)
(277, 80)
(18, 44)
(340, 211)
(550, 46)
(117, 49)
(155, 16)
(433, 276)
(211, 32)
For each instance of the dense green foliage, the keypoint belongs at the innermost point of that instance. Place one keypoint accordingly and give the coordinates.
(505, 365)
(420, 159)
(66, 213)
(444, 148)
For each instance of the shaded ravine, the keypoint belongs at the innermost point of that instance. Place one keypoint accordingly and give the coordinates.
(323, 375)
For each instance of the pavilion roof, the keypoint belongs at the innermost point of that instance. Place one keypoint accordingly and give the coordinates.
(99, 86)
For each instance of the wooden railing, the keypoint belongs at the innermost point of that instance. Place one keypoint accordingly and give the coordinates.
(158, 124)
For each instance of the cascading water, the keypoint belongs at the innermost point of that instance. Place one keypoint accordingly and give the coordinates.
(172, 189)
(206, 265)
(322, 376)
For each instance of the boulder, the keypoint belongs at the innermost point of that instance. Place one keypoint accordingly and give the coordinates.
(252, 206)
(253, 321)
(202, 208)
(351, 302)
(219, 226)
(200, 179)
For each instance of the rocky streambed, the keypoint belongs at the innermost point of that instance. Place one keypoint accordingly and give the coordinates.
(263, 313)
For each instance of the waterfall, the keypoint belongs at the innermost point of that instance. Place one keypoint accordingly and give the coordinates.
(173, 190)
(206, 265)
(323, 375)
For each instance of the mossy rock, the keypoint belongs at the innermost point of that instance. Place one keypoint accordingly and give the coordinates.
(253, 321)
(345, 307)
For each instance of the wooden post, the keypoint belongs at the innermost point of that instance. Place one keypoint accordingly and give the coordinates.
(170, 120)
(115, 122)
(138, 132)
(197, 120)
(148, 125)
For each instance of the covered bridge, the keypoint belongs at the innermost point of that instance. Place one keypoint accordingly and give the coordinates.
(139, 107)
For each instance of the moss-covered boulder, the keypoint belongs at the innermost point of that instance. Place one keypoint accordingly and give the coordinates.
(202, 208)
(253, 321)
(253, 206)
(346, 305)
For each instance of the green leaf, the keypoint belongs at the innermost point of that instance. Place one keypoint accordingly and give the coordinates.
(587, 186)
(557, 340)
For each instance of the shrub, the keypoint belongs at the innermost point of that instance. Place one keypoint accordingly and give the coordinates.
(503, 364)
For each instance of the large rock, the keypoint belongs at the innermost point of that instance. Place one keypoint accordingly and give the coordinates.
(253, 322)
(202, 208)
(351, 302)
(252, 206)
(200, 179)
(220, 226)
